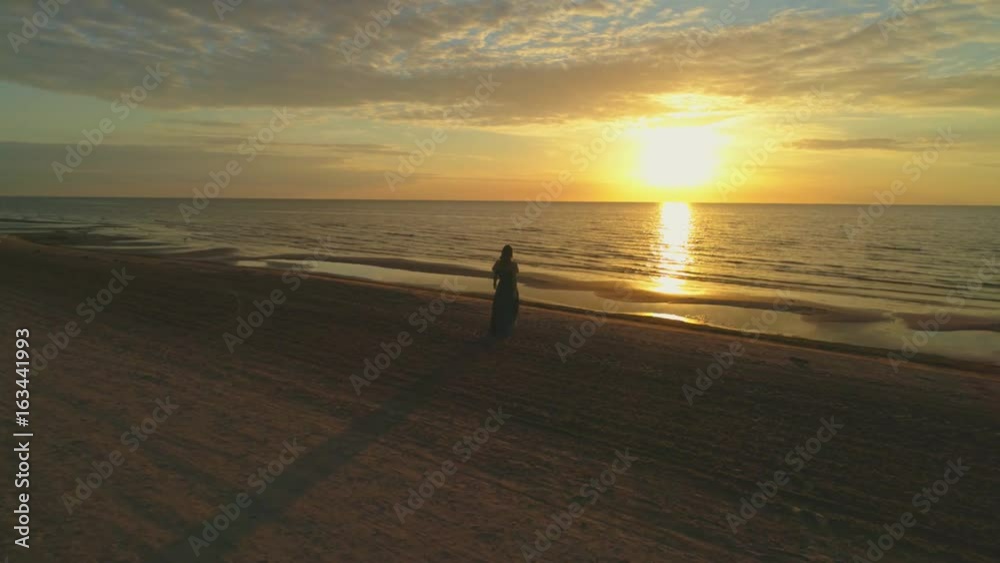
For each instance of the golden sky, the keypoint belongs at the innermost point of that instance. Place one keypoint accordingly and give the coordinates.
(731, 100)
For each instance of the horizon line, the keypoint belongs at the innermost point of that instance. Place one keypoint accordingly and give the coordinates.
(528, 201)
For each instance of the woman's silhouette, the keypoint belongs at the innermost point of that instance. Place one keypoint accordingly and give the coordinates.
(506, 300)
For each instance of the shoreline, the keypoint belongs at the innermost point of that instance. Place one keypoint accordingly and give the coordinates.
(375, 384)
(870, 352)
(824, 313)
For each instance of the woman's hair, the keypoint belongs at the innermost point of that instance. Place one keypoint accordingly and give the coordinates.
(507, 253)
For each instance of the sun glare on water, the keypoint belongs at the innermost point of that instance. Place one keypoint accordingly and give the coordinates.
(673, 237)
(679, 157)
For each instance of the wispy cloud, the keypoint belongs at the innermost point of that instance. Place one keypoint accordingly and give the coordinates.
(274, 55)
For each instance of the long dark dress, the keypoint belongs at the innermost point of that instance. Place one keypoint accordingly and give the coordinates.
(505, 300)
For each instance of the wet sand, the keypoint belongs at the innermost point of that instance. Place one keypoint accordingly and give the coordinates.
(356, 458)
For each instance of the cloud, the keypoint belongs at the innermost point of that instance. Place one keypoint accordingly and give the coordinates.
(207, 123)
(851, 144)
(175, 170)
(557, 61)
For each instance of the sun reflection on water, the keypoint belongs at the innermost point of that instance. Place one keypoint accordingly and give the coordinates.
(672, 249)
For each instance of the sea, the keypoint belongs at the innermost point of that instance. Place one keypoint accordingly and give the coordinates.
(906, 280)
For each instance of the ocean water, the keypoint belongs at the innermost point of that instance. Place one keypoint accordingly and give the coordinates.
(924, 278)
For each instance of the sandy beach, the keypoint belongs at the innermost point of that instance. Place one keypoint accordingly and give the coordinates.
(320, 429)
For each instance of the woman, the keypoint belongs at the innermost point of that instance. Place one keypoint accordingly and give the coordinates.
(505, 300)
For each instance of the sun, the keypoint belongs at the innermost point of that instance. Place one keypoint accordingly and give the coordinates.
(679, 157)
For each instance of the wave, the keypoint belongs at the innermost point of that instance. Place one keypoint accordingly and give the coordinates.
(617, 290)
